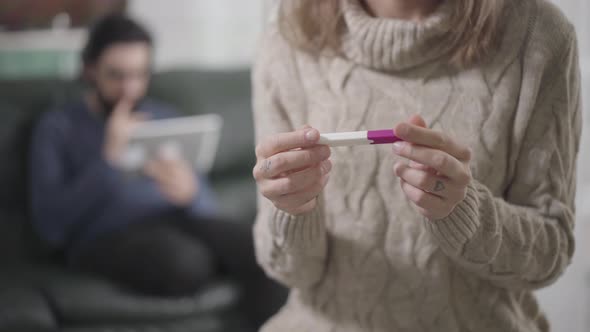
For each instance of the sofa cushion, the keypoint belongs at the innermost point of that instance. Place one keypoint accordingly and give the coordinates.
(236, 196)
(12, 249)
(226, 322)
(21, 103)
(79, 298)
(14, 138)
(94, 301)
(24, 309)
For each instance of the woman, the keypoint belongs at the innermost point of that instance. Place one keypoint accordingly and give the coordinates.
(456, 227)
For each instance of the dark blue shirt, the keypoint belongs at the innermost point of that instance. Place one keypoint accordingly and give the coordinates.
(76, 195)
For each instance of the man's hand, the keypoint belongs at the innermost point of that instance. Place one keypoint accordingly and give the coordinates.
(175, 179)
(437, 177)
(119, 126)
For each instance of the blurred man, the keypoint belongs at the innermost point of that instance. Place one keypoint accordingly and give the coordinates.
(157, 233)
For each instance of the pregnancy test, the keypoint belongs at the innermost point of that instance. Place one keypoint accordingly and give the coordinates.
(386, 136)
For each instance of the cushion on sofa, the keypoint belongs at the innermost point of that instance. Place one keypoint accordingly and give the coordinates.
(24, 309)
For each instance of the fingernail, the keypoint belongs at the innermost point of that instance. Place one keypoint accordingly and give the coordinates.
(398, 147)
(402, 130)
(312, 135)
(325, 153)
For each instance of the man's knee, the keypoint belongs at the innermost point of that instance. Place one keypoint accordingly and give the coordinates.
(186, 270)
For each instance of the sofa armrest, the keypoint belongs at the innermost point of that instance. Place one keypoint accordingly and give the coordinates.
(24, 309)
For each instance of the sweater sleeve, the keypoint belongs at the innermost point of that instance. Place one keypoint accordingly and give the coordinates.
(291, 249)
(524, 240)
(59, 200)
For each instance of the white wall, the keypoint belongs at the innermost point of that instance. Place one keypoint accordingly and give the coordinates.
(567, 303)
(188, 33)
(578, 11)
(204, 33)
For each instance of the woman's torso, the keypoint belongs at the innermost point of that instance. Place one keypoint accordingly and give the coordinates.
(384, 271)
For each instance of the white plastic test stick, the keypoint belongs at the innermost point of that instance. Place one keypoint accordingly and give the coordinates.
(385, 136)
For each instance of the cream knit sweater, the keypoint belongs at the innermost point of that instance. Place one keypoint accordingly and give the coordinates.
(365, 260)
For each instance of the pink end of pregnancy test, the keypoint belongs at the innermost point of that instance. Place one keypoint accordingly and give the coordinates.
(385, 136)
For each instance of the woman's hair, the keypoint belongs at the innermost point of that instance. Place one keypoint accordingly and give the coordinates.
(316, 26)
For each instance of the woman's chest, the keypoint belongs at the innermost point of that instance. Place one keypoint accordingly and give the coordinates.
(464, 106)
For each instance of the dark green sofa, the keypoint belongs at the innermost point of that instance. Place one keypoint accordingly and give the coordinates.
(37, 294)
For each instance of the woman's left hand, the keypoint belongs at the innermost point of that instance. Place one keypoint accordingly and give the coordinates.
(438, 174)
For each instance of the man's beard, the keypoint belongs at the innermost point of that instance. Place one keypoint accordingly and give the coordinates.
(106, 105)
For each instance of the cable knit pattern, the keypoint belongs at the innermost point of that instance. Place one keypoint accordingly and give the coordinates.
(394, 44)
(364, 259)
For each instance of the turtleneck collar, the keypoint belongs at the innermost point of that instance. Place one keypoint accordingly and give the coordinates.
(393, 44)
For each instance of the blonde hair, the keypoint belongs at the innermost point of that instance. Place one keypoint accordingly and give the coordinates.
(316, 26)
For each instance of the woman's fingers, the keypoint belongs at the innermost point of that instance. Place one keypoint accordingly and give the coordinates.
(422, 180)
(293, 201)
(294, 182)
(438, 174)
(427, 181)
(433, 139)
(430, 204)
(417, 120)
(281, 142)
(440, 161)
(423, 167)
(287, 161)
(292, 169)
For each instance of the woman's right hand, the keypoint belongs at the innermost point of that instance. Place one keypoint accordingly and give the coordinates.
(292, 169)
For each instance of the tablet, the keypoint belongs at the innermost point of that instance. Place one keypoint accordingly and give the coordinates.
(194, 138)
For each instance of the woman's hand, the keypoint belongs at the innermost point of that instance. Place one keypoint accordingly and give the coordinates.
(438, 174)
(292, 170)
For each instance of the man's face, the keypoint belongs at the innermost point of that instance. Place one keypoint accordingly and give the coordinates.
(121, 71)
